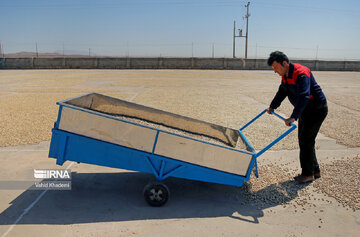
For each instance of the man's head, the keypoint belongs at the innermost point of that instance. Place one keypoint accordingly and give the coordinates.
(279, 62)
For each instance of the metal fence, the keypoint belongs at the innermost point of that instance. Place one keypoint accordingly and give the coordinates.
(165, 63)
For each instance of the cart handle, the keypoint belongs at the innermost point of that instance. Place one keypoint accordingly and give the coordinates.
(293, 126)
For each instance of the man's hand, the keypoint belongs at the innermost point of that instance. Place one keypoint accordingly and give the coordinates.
(288, 121)
(269, 110)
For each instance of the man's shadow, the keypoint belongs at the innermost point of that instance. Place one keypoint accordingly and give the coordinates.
(109, 197)
(270, 196)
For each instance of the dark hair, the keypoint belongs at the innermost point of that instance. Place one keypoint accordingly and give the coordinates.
(278, 57)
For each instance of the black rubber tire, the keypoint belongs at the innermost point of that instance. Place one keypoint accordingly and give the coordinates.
(156, 194)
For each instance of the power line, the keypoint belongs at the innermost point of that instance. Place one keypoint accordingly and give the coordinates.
(302, 6)
(123, 4)
(191, 3)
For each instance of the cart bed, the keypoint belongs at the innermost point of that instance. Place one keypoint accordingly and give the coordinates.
(96, 116)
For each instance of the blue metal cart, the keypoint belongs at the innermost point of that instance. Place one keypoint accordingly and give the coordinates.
(89, 129)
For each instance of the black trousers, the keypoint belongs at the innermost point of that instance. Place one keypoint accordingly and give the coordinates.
(309, 125)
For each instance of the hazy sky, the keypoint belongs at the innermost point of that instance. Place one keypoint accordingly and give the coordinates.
(326, 29)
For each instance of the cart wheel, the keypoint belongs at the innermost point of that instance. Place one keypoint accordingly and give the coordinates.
(156, 194)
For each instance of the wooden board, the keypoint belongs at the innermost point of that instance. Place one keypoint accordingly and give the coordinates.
(203, 154)
(107, 129)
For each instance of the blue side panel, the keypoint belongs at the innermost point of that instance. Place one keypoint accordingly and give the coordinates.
(68, 146)
(92, 151)
(208, 175)
(156, 162)
(54, 148)
(170, 166)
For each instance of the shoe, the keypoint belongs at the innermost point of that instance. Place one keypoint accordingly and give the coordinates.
(316, 176)
(304, 179)
(297, 176)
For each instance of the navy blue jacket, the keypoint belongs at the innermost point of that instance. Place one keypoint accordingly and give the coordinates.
(301, 89)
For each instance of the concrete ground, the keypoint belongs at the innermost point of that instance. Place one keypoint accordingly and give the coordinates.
(109, 202)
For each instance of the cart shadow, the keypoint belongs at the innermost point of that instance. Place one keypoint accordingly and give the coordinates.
(109, 197)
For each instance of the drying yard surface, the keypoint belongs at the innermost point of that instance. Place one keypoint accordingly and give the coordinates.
(108, 202)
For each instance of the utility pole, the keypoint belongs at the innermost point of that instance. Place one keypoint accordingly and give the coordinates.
(192, 49)
(256, 51)
(234, 35)
(2, 52)
(213, 50)
(89, 52)
(240, 32)
(239, 35)
(247, 26)
(37, 54)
